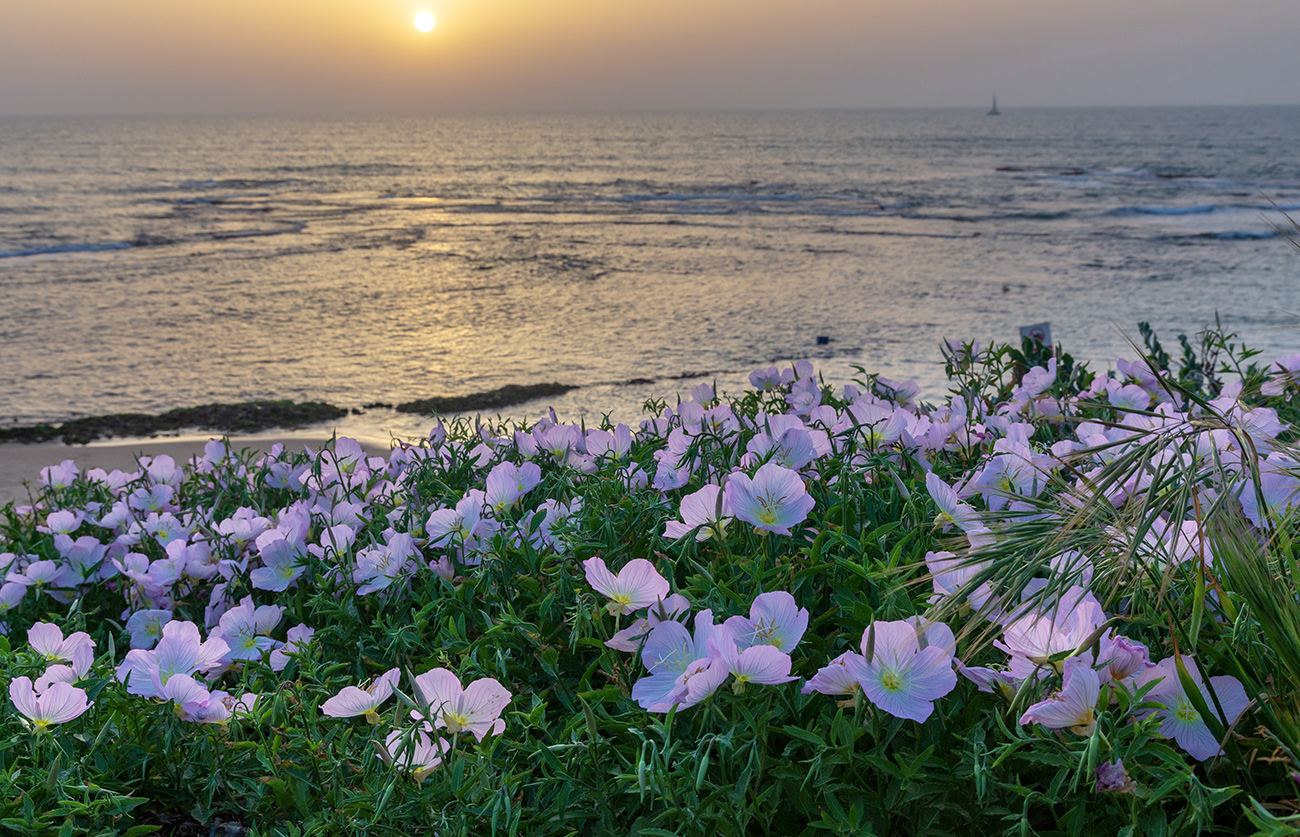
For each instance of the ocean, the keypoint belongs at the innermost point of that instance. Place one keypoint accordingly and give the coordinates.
(149, 263)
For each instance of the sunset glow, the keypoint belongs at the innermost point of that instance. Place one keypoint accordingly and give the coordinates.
(336, 56)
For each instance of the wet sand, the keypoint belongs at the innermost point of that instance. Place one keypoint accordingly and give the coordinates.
(23, 462)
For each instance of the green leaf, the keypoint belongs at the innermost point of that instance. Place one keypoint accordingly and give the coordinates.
(806, 736)
(141, 830)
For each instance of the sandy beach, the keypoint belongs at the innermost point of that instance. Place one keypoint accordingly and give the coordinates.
(21, 463)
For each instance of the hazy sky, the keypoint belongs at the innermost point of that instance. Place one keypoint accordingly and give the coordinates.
(247, 56)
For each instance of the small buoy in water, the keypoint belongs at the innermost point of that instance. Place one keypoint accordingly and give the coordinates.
(822, 340)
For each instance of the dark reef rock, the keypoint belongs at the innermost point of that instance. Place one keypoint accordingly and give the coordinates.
(248, 417)
(506, 396)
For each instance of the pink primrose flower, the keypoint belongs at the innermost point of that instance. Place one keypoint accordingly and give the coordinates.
(897, 675)
(629, 639)
(60, 476)
(762, 664)
(507, 482)
(282, 564)
(245, 628)
(1179, 718)
(952, 511)
(705, 512)
(637, 585)
(1074, 706)
(834, 678)
(477, 708)
(295, 643)
(47, 640)
(180, 651)
(60, 703)
(775, 619)
(682, 671)
(353, 700)
(773, 501)
(146, 627)
(415, 751)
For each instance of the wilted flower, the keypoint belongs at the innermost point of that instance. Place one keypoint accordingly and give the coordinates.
(1113, 778)
(991, 680)
(1123, 657)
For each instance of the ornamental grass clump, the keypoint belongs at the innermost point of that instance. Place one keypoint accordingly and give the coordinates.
(1056, 602)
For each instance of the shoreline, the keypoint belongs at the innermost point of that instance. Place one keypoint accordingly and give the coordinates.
(377, 426)
(248, 417)
(21, 463)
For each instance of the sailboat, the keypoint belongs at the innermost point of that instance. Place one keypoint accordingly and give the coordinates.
(993, 111)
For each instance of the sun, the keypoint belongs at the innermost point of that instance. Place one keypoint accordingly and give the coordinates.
(424, 22)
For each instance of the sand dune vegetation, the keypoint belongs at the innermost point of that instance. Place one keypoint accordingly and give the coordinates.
(1057, 601)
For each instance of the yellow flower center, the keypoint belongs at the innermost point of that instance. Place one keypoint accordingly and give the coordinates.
(1186, 712)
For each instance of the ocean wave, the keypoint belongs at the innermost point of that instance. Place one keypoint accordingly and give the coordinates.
(1044, 171)
(235, 183)
(1200, 209)
(1227, 235)
(1204, 209)
(288, 228)
(705, 196)
(1078, 172)
(345, 168)
(894, 233)
(1028, 215)
(215, 200)
(1241, 235)
(65, 248)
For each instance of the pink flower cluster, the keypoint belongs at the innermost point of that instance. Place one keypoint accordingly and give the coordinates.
(442, 704)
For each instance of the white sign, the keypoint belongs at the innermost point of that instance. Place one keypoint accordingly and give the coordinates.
(1040, 332)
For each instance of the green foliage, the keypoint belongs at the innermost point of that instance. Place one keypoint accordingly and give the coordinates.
(579, 757)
